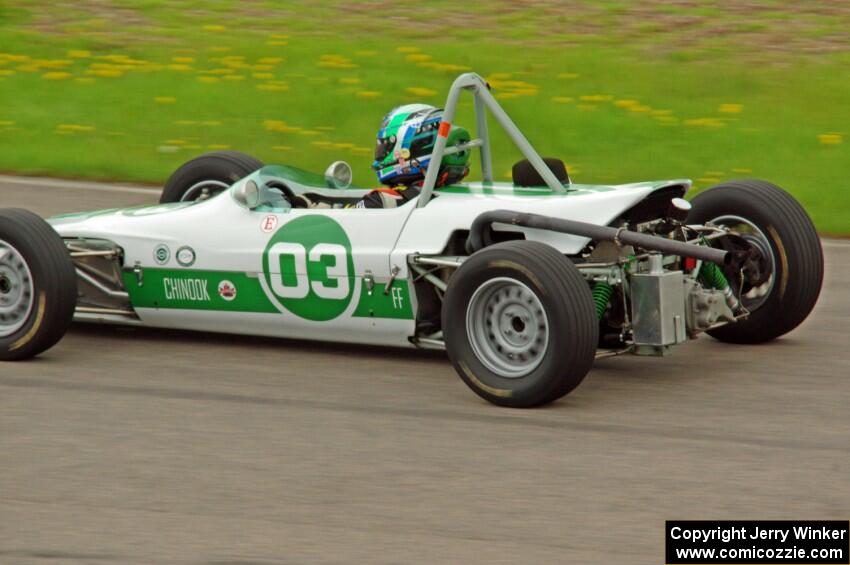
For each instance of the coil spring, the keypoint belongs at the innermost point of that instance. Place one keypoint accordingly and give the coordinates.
(602, 293)
(711, 275)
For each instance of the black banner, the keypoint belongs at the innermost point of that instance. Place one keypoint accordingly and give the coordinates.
(813, 542)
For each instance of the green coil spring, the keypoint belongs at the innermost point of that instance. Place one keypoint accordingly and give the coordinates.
(602, 293)
(711, 275)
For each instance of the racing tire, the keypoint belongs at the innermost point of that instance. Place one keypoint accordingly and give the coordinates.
(208, 175)
(38, 285)
(782, 226)
(519, 324)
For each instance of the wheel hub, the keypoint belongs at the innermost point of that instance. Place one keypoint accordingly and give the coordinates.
(507, 327)
(16, 290)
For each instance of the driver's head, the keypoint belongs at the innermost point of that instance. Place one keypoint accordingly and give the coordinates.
(405, 141)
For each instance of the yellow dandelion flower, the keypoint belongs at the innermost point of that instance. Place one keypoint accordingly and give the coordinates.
(213, 27)
(175, 142)
(270, 60)
(730, 108)
(369, 93)
(321, 143)
(343, 146)
(6, 73)
(263, 76)
(185, 60)
(418, 57)
(562, 99)
(282, 147)
(708, 180)
(568, 75)
(217, 49)
(105, 73)
(234, 77)
(349, 80)
(325, 128)
(595, 97)
(78, 54)
(6, 123)
(276, 43)
(626, 103)
(639, 108)
(742, 171)
(705, 122)
(269, 87)
(56, 75)
(164, 99)
(660, 113)
(419, 91)
(309, 132)
(830, 138)
(498, 76)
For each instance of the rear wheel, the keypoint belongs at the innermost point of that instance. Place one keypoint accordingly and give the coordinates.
(782, 282)
(38, 285)
(208, 175)
(519, 324)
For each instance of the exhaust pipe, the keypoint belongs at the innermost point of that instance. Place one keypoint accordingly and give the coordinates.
(480, 227)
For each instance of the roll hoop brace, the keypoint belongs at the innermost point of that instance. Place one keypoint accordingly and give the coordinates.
(479, 235)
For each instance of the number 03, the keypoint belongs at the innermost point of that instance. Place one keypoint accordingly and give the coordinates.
(337, 272)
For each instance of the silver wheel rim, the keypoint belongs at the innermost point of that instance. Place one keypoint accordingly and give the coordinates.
(750, 232)
(507, 327)
(203, 190)
(16, 290)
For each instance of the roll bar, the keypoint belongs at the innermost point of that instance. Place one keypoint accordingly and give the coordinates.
(483, 101)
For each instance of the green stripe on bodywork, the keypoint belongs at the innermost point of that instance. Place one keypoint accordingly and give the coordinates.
(167, 288)
(393, 304)
(161, 288)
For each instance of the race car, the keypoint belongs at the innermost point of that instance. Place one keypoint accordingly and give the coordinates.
(523, 284)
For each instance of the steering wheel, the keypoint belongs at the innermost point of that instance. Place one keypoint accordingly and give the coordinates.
(294, 200)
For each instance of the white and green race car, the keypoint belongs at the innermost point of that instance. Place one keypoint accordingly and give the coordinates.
(523, 284)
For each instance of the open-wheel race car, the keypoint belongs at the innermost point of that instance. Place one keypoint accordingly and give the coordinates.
(523, 284)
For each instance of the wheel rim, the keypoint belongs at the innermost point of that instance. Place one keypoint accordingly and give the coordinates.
(752, 298)
(16, 290)
(203, 190)
(507, 327)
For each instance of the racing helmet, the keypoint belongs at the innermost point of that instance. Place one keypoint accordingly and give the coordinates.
(404, 144)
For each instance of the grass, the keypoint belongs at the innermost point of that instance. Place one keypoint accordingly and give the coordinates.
(622, 92)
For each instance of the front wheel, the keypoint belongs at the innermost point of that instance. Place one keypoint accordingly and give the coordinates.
(207, 175)
(519, 324)
(781, 285)
(38, 285)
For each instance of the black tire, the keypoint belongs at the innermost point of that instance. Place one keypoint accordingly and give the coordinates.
(218, 167)
(52, 287)
(572, 327)
(796, 249)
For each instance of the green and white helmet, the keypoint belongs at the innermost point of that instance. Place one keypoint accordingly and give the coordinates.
(405, 142)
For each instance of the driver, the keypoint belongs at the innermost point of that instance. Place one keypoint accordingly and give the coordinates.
(403, 153)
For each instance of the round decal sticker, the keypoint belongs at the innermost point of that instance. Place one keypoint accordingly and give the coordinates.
(227, 290)
(161, 254)
(268, 224)
(185, 256)
(308, 269)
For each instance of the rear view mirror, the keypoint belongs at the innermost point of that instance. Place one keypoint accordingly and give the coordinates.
(247, 194)
(338, 175)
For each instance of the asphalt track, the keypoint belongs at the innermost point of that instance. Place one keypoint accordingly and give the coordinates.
(143, 446)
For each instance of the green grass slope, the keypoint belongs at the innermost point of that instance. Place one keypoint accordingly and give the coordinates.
(621, 91)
